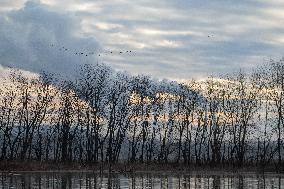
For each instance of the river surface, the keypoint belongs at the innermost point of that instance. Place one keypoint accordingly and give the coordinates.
(205, 180)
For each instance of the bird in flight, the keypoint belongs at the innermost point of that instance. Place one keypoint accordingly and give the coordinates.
(82, 53)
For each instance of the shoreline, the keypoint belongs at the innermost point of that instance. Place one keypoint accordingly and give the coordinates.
(130, 168)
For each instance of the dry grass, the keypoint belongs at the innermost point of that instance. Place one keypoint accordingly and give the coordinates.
(123, 167)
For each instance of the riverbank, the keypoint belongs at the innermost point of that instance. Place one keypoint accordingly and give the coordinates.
(11, 166)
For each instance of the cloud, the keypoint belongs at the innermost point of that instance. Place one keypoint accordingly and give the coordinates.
(8, 5)
(32, 38)
(169, 39)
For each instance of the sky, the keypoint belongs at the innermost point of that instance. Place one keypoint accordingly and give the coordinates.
(173, 39)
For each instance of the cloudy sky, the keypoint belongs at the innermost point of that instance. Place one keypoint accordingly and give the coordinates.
(174, 39)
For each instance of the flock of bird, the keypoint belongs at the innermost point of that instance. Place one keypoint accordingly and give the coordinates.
(84, 53)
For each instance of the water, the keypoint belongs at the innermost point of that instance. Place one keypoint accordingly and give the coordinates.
(81, 180)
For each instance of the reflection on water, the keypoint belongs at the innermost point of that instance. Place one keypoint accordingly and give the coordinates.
(145, 180)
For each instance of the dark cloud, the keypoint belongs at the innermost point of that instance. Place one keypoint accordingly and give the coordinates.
(32, 39)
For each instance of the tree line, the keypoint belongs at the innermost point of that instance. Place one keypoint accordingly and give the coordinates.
(107, 116)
